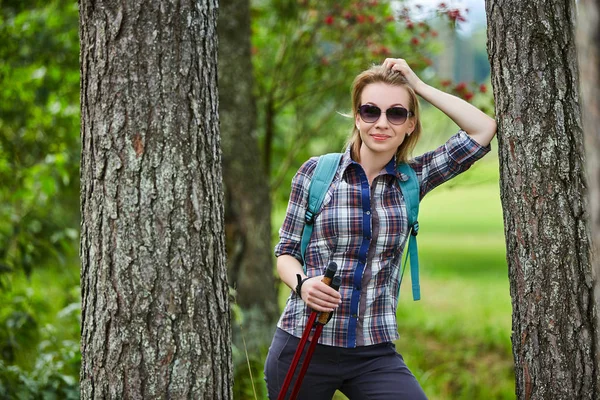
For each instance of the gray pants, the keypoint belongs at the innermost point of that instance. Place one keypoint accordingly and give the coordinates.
(370, 372)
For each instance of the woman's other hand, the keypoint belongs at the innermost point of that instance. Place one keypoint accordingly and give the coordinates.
(400, 65)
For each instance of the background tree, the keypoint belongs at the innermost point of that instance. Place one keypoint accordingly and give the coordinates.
(155, 311)
(536, 86)
(247, 196)
(588, 22)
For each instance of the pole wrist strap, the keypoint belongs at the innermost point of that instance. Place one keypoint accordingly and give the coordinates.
(299, 285)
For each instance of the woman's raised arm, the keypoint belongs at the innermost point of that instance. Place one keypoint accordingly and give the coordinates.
(469, 118)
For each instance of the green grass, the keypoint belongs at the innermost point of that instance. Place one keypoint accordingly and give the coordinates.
(461, 233)
(39, 332)
(456, 339)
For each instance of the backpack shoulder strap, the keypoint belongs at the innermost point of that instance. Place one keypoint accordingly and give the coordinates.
(411, 193)
(322, 178)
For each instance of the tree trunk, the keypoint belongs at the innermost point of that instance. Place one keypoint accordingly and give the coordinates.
(155, 311)
(588, 23)
(247, 201)
(535, 78)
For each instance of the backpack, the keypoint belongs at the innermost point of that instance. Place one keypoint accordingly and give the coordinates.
(325, 170)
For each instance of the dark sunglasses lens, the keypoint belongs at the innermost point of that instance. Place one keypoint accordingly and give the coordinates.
(397, 115)
(369, 113)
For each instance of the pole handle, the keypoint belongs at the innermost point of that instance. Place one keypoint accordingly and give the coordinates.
(335, 284)
(329, 273)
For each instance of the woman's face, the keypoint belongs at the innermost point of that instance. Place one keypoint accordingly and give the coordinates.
(382, 137)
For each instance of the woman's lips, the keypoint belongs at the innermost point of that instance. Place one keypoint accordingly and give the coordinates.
(380, 137)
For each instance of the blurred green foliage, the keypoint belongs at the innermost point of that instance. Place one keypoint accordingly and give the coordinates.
(39, 325)
(39, 199)
(39, 134)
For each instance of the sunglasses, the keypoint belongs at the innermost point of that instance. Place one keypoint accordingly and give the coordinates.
(395, 115)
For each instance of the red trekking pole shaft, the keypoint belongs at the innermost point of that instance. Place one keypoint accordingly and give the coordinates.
(323, 319)
(297, 354)
(329, 273)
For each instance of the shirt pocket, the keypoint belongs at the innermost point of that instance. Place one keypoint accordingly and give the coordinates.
(322, 241)
(390, 222)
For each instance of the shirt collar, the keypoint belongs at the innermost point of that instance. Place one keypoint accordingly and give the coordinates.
(390, 167)
(346, 160)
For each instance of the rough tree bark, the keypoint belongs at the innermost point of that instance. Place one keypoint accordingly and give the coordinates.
(247, 200)
(588, 46)
(155, 311)
(531, 46)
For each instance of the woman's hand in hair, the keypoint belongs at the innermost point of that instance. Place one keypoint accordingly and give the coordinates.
(400, 65)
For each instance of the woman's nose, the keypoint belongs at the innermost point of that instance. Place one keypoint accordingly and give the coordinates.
(382, 121)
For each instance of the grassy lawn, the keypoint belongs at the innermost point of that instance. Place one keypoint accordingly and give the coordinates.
(457, 339)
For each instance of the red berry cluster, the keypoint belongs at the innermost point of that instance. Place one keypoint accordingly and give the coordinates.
(360, 14)
(454, 14)
(462, 89)
(362, 22)
(356, 16)
(420, 30)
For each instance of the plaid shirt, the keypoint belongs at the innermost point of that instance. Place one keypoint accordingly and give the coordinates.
(363, 229)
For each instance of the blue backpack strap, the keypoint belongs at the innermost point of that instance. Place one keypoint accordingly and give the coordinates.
(411, 192)
(322, 178)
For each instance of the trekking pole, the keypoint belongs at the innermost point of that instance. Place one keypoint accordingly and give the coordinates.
(329, 273)
(323, 319)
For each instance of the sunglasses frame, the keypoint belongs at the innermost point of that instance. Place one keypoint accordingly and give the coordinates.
(360, 112)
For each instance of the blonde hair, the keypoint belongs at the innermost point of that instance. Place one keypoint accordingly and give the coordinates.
(377, 74)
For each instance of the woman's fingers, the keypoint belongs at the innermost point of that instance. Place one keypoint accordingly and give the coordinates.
(391, 62)
(400, 65)
(322, 306)
(319, 296)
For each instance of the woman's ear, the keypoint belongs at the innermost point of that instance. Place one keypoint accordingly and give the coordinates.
(412, 123)
(357, 121)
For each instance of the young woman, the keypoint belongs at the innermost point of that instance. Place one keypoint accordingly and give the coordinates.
(363, 228)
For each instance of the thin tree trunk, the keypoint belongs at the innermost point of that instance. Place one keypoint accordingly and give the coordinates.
(155, 311)
(535, 78)
(588, 23)
(269, 135)
(247, 201)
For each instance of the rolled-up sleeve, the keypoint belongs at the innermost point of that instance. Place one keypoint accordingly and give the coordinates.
(290, 234)
(447, 161)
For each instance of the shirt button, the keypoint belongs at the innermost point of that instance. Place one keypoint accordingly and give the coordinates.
(368, 212)
(357, 287)
(354, 315)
